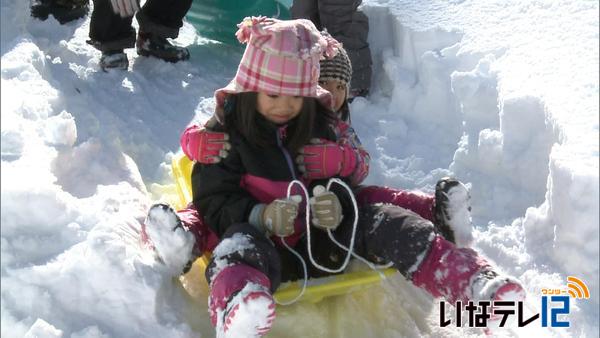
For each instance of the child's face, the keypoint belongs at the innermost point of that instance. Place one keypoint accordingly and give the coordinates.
(338, 90)
(278, 109)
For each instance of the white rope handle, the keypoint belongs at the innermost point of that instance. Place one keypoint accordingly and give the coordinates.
(354, 227)
(304, 269)
(305, 280)
(350, 250)
(309, 248)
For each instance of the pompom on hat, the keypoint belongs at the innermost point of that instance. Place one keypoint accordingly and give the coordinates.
(281, 58)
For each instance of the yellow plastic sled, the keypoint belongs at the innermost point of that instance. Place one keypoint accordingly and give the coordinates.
(317, 288)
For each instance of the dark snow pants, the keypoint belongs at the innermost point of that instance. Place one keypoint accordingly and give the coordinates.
(385, 233)
(109, 31)
(346, 24)
(415, 201)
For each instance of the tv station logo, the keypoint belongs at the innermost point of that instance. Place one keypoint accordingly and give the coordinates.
(555, 307)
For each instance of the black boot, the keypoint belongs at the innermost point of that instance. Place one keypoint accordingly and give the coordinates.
(452, 211)
(63, 10)
(40, 9)
(115, 59)
(151, 45)
(171, 241)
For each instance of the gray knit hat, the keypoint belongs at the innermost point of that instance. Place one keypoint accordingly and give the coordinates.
(339, 68)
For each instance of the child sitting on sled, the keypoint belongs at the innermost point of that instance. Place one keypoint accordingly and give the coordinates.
(449, 209)
(271, 110)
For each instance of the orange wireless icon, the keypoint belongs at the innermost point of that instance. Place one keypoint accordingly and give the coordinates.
(577, 288)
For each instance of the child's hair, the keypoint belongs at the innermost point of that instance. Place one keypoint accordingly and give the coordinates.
(241, 116)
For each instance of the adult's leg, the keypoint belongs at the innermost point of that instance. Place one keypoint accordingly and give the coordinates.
(306, 9)
(109, 31)
(351, 27)
(159, 20)
(163, 18)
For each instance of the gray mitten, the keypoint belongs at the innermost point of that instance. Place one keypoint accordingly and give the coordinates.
(326, 209)
(277, 217)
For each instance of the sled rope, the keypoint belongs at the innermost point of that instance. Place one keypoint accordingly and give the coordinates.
(304, 269)
(309, 247)
(350, 250)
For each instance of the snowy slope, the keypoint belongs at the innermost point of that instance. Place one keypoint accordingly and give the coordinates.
(503, 94)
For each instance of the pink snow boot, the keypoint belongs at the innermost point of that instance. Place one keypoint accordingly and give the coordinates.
(461, 274)
(240, 302)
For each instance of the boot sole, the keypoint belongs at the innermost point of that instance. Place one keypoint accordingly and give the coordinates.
(440, 215)
(260, 331)
(152, 222)
(168, 59)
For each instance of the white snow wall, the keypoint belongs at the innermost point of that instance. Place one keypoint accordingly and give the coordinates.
(517, 158)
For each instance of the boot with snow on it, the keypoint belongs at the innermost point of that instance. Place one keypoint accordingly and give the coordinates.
(460, 274)
(489, 285)
(40, 9)
(152, 45)
(114, 60)
(63, 10)
(452, 211)
(241, 303)
(172, 243)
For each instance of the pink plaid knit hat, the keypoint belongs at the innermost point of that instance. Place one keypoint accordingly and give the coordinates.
(281, 58)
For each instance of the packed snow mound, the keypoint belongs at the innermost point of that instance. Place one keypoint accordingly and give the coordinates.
(524, 132)
(501, 94)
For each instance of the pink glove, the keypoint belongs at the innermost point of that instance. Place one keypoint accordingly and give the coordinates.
(324, 159)
(204, 146)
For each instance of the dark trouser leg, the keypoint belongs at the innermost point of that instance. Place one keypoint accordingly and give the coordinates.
(256, 251)
(163, 18)
(351, 27)
(244, 258)
(306, 9)
(108, 31)
(390, 233)
(384, 233)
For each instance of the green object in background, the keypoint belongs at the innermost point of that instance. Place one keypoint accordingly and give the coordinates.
(218, 19)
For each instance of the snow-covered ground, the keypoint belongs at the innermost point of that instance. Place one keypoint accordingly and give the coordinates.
(502, 94)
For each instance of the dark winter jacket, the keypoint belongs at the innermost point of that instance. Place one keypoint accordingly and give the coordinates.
(225, 193)
(348, 25)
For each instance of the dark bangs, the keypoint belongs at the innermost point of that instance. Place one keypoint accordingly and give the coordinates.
(243, 117)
